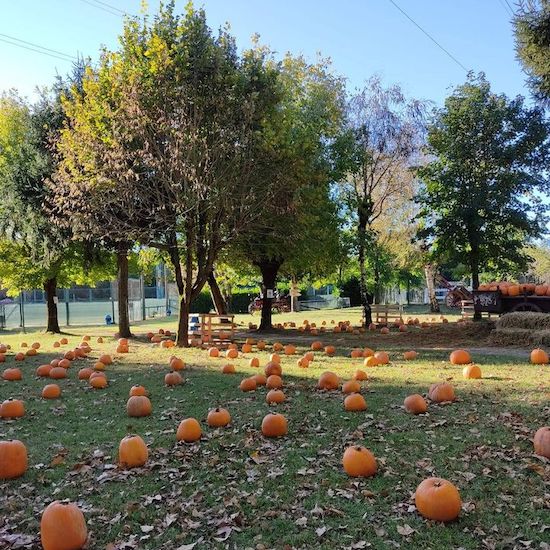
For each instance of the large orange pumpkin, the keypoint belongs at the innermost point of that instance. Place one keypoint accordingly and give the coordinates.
(441, 392)
(383, 357)
(273, 368)
(351, 386)
(415, 404)
(355, 402)
(218, 417)
(43, 371)
(173, 378)
(248, 384)
(275, 396)
(438, 499)
(177, 364)
(359, 462)
(63, 527)
(471, 371)
(274, 425)
(460, 357)
(328, 381)
(51, 391)
(138, 406)
(189, 430)
(274, 382)
(541, 442)
(13, 459)
(12, 408)
(132, 452)
(539, 357)
(12, 375)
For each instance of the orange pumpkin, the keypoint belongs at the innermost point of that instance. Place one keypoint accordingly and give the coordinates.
(51, 391)
(460, 357)
(228, 369)
(19, 356)
(13, 459)
(471, 371)
(275, 358)
(138, 406)
(277, 346)
(438, 499)
(274, 382)
(539, 357)
(371, 361)
(106, 359)
(43, 371)
(12, 408)
(382, 357)
(12, 375)
(360, 375)
(541, 442)
(410, 355)
(98, 382)
(132, 452)
(137, 391)
(261, 379)
(177, 364)
(275, 396)
(355, 402)
(254, 362)
(64, 364)
(273, 368)
(384, 330)
(328, 381)
(232, 354)
(63, 527)
(356, 353)
(274, 425)
(330, 350)
(415, 404)
(261, 345)
(218, 418)
(189, 430)
(31, 352)
(290, 349)
(303, 363)
(63, 341)
(173, 378)
(57, 373)
(351, 386)
(441, 392)
(85, 373)
(316, 346)
(248, 384)
(359, 462)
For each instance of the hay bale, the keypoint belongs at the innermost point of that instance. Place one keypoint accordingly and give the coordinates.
(510, 337)
(525, 320)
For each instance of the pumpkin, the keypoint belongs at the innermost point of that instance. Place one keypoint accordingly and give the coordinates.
(232, 354)
(403, 328)
(541, 442)
(539, 357)
(189, 430)
(85, 373)
(12, 408)
(13, 459)
(254, 362)
(13, 374)
(57, 373)
(351, 386)
(177, 364)
(328, 381)
(275, 396)
(384, 330)
(19, 356)
(460, 357)
(99, 366)
(330, 350)
(98, 382)
(56, 345)
(290, 349)
(273, 368)
(43, 371)
(316, 346)
(228, 369)
(441, 392)
(51, 391)
(360, 375)
(64, 364)
(137, 391)
(2, 358)
(277, 346)
(246, 348)
(415, 404)
(55, 362)
(35, 345)
(274, 425)
(218, 418)
(63, 527)
(471, 371)
(438, 499)
(132, 452)
(138, 406)
(99, 340)
(356, 353)
(63, 341)
(261, 379)
(156, 339)
(337, 330)
(106, 359)
(367, 352)
(261, 345)
(124, 349)
(275, 358)
(69, 355)
(382, 357)
(274, 382)
(410, 355)
(359, 462)
(355, 402)
(23, 345)
(173, 378)
(31, 352)
(248, 384)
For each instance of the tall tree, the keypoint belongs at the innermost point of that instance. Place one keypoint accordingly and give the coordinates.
(532, 29)
(163, 143)
(384, 135)
(481, 192)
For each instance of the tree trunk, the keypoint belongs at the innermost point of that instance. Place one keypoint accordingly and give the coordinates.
(269, 270)
(362, 237)
(474, 267)
(217, 297)
(123, 316)
(182, 339)
(50, 288)
(429, 273)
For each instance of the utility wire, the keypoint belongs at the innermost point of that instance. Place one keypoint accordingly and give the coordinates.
(43, 51)
(110, 6)
(429, 36)
(511, 8)
(56, 52)
(506, 7)
(113, 10)
(108, 10)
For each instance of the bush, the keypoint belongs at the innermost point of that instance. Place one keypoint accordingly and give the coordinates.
(351, 289)
(239, 302)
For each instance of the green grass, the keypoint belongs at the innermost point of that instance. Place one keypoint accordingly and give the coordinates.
(291, 492)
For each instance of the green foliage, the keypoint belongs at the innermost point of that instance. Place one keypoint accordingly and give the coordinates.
(532, 28)
(481, 200)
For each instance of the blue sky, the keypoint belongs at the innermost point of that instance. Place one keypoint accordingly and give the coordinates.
(361, 37)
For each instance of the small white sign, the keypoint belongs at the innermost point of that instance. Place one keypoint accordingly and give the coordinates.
(269, 293)
(294, 292)
(55, 300)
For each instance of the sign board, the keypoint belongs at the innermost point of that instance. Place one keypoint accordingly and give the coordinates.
(55, 300)
(489, 301)
(269, 293)
(295, 292)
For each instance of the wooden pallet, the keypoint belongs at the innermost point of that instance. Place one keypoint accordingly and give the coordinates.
(385, 314)
(212, 329)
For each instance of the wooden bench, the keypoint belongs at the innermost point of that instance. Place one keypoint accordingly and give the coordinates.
(385, 314)
(212, 329)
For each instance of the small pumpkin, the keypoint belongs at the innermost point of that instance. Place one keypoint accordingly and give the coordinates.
(328, 381)
(69, 355)
(382, 357)
(138, 406)
(137, 390)
(248, 384)
(355, 402)
(277, 346)
(63, 527)
(290, 349)
(438, 499)
(261, 379)
(539, 357)
(359, 462)
(460, 357)
(441, 392)
(218, 418)
(232, 353)
(98, 365)
(273, 368)
(43, 371)
(12, 375)
(384, 330)
(351, 386)
(356, 353)
(189, 430)
(13, 459)
(177, 364)
(64, 364)
(132, 452)
(330, 351)
(541, 442)
(51, 391)
(228, 369)
(471, 371)
(410, 355)
(19, 356)
(415, 404)
(173, 378)
(275, 396)
(63, 341)
(371, 361)
(57, 373)
(246, 348)
(274, 425)
(98, 382)
(303, 363)
(254, 362)
(274, 382)
(106, 359)
(360, 375)
(12, 408)
(85, 373)
(261, 345)
(316, 346)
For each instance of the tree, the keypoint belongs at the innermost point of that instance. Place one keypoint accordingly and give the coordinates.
(162, 144)
(44, 253)
(382, 142)
(532, 30)
(298, 229)
(480, 198)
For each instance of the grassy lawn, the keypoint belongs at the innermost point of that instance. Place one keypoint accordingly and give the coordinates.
(237, 489)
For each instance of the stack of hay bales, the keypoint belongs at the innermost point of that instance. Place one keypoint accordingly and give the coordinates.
(522, 328)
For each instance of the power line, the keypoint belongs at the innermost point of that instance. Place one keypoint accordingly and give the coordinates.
(110, 6)
(57, 52)
(108, 10)
(42, 50)
(430, 36)
(506, 7)
(100, 5)
(511, 8)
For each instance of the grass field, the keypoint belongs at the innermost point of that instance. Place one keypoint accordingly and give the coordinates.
(237, 489)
